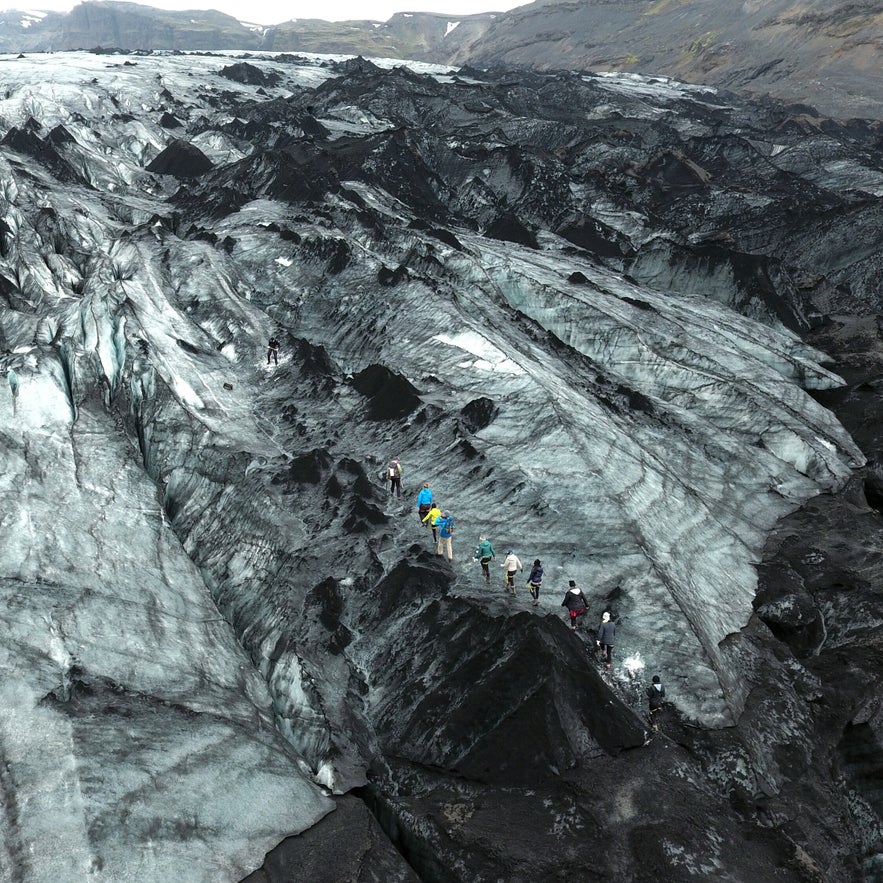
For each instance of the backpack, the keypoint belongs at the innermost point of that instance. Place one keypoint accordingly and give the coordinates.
(391, 472)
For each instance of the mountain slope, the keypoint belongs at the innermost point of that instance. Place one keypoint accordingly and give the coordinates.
(819, 52)
(112, 24)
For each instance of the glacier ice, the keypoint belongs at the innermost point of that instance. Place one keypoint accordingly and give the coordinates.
(179, 597)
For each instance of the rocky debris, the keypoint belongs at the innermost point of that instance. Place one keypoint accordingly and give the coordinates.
(348, 844)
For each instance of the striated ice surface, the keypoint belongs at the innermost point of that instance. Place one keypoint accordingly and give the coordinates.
(137, 737)
(164, 685)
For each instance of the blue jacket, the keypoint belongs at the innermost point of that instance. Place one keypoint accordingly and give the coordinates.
(425, 496)
(536, 575)
(446, 527)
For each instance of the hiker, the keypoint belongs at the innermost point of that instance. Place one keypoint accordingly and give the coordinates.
(394, 475)
(606, 637)
(431, 520)
(534, 581)
(512, 564)
(575, 602)
(656, 698)
(485, 554)
(424, 500)
(445, 534)
(273, 350)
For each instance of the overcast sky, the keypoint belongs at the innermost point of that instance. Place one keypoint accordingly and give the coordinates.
(274, 11)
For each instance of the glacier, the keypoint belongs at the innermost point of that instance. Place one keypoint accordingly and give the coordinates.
(218, 623)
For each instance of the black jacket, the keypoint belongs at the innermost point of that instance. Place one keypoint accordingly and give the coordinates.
(574, 600)
(656, 695)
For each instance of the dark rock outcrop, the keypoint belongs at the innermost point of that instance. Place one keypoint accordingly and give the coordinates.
(181, 159)
(170, 121)
(243, 72)
(389, 394)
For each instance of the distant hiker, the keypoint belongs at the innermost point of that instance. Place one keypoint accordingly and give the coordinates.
(485, 554)
(424, 500)
(445, 534)
(575, 602)
(431, 520)
(535, 580)
(394, 475)
(656, 698)
(512, 564)
(273, 350)
(606, 637)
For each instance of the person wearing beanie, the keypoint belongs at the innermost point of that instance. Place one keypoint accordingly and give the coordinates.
(445, 535)
(485, 554)
(575, 602)
(394, 475)
(534, 581)
(606, 637)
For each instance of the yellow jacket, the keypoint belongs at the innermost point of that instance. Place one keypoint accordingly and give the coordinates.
(432, 515)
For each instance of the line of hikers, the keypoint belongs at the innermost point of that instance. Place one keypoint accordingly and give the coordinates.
(441, 523)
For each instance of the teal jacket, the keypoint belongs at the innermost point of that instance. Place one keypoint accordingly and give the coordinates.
(485, 550)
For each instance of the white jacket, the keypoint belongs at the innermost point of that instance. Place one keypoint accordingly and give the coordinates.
(512, 563)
